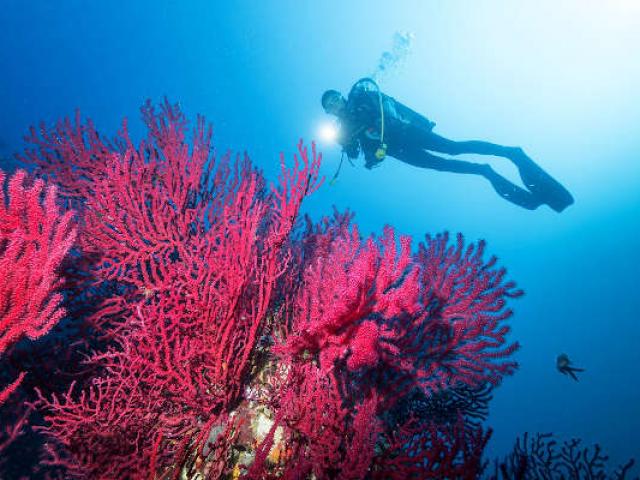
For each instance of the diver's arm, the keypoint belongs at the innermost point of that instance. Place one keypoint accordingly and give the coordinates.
(371, 158)
(352, 149)
(362, 113)
(370, 161)
(348, 139)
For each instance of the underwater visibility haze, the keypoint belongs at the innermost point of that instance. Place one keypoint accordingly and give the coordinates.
(195, 292)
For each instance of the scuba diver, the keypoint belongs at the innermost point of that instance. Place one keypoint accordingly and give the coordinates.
(563, 364)
(378, 126)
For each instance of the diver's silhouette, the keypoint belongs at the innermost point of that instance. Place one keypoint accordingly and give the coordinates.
(379, 125)
(563, 364)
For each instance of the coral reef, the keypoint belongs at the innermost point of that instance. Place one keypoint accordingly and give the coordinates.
(35, 236)
(214, 332)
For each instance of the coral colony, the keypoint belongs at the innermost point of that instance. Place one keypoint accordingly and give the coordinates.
(166, 314)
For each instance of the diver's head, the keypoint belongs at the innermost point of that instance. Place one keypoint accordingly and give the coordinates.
(333, 102)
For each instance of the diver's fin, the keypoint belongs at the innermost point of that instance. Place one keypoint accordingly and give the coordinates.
(543, 185)
(573, 375)
(513, 193)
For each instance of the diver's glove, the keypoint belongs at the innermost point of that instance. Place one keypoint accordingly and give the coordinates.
(375, 158)
(372, 162)
(351, 150)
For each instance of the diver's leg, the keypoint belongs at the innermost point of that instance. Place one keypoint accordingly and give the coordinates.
(422, 159)
(539, 182)
(504, 188)
(437, 143)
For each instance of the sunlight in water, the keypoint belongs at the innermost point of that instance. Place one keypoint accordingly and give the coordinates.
(328, 132)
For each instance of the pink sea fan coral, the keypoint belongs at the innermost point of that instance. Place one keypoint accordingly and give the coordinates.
(222, 313)
(34, 238)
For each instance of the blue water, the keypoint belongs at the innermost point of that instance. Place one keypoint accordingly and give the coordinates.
(560, 79)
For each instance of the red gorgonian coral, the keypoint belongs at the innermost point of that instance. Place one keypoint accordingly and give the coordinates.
(240, 343)
(34, 238)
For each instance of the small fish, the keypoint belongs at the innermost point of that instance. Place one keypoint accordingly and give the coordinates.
(563, 364)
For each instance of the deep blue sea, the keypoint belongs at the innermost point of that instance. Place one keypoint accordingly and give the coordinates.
(559, 78)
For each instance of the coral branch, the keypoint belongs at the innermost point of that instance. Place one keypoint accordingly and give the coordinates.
(34, 238)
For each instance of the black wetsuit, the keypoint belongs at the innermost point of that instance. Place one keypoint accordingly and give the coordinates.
(409, 136)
